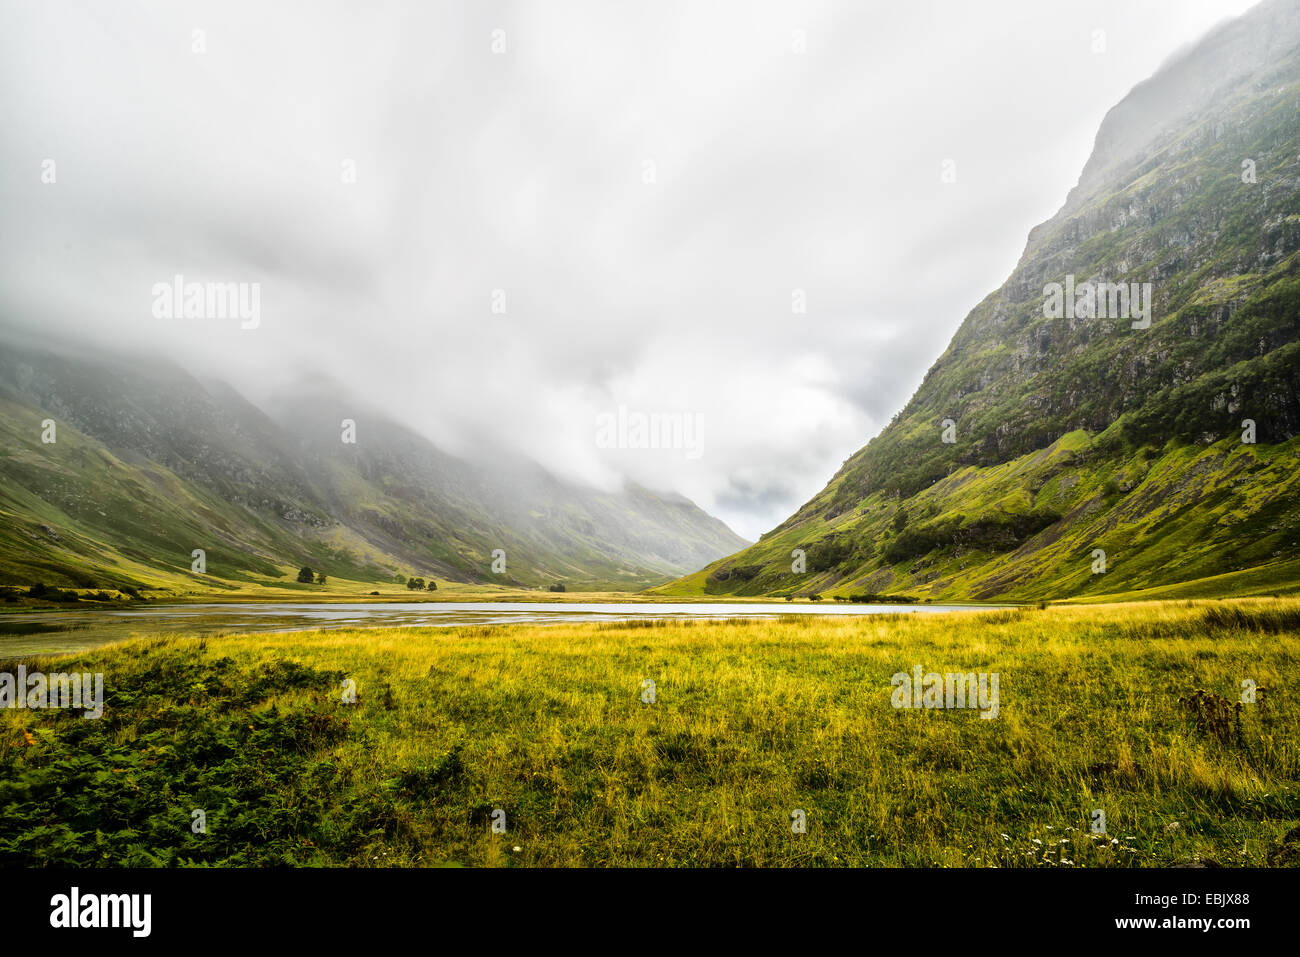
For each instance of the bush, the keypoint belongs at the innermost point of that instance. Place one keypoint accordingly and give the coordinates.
(742, 572)
(869, 598)
(556, 587)
(51, 594)
(826, 553)
(997, 533)
(182, 730)
(900, 520)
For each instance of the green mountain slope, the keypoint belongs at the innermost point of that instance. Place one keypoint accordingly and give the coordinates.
(150, 464)
(1034, 441)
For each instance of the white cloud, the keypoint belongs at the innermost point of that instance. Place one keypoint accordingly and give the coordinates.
(524, 172)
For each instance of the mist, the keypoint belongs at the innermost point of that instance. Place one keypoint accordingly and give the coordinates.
(499, 223)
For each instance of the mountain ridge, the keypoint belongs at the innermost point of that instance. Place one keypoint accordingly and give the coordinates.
(161, 462)
(1090, 414)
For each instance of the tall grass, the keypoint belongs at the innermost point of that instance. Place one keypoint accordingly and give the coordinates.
(750, 722)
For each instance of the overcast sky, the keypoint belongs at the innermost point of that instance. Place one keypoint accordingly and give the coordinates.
(788, 146)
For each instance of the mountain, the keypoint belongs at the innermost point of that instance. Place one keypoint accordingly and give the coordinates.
(150, 463)
(1045, 435)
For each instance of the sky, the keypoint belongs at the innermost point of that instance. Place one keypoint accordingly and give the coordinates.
(503, 223)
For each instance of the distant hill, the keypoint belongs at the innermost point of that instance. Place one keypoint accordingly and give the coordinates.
(1037, 443)
(150, 464)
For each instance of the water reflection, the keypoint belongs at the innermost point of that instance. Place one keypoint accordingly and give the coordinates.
(63, 631)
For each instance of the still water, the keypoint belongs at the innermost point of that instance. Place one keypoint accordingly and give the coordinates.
(60, 631)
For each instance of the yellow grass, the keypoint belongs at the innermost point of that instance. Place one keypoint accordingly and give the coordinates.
(755, 720)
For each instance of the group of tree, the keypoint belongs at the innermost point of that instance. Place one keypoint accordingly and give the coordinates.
(45, 592)
(870, 598)
(49, 593)
(307, 576)
(417, 584)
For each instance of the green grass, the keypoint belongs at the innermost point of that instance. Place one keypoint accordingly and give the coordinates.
(752, 720)
(1182, 521)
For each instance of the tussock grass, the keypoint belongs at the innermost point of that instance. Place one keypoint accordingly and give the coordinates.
(1271, 620)
(751, 721)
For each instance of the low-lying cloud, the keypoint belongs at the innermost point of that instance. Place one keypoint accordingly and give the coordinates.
(499, 222)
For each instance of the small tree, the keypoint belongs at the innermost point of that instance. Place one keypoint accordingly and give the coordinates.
(415, 584)
(433, 585)
(558, 586)
(320, 578)
(306, 575)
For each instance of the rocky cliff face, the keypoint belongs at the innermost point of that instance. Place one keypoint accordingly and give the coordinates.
(1228, 64)
(1190, 203)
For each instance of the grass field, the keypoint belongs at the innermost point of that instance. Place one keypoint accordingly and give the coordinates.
(16, 599)
(751, 722)
(337, 590)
